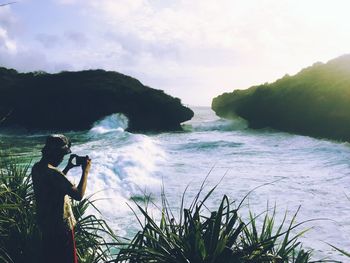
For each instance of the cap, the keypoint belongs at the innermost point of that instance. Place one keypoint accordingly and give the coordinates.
(57, 143)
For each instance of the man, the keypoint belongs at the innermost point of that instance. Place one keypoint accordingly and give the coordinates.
(52, 190)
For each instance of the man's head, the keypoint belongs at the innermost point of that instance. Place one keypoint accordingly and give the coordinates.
(56, 147)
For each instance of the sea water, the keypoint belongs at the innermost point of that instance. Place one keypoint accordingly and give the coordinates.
(292, 171)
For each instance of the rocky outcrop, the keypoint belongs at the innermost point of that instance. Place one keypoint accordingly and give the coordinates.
(314, 102)
(75, 100)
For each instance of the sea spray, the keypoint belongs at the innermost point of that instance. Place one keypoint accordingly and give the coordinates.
(113, 123)
(124, 166)
(315, 173)
(210, 122)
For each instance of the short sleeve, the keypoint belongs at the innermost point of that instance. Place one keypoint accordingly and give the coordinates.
(60, 181)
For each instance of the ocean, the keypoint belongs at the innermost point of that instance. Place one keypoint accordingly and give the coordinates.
(289, 172)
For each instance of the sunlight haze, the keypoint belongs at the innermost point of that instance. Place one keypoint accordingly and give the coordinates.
(194, 50)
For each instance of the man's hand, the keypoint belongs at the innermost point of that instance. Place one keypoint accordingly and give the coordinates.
(70, 163)
(77, 193)
(86, 165)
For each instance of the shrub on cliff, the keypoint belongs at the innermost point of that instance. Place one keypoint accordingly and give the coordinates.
(75, 100)
(315, 102)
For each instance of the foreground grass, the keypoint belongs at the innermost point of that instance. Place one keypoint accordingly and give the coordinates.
(221, 236)
(196, 235)
(20, 237)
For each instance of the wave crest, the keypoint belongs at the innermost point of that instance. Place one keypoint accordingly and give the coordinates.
(217, 125)
(116, 122)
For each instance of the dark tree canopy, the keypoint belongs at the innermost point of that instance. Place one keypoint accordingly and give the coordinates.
(75, 100)
(314, 102)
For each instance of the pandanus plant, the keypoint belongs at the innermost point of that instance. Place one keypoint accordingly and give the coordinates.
(19, 233)
(200, 235)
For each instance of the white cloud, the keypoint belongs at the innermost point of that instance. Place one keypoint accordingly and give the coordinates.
(67, 2)
(48, 40)
(7, 21)
(77, 38)
(6, 44)
(194, 49)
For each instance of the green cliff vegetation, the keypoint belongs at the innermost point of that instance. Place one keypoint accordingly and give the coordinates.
(314, 102)
(75, 100)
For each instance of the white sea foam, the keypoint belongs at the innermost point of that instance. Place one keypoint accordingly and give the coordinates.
(309, 172)
(208, 121)
(220, 125)
(113, 123)
(123, 166)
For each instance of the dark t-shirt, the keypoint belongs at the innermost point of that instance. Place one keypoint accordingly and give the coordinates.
(50, 189)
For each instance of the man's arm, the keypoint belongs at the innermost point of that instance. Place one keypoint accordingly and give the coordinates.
(78, 192)
(70, 164)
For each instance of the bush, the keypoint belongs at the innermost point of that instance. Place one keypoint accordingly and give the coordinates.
(19, 234)
(217, 236)
(313, 102)
(197, 235)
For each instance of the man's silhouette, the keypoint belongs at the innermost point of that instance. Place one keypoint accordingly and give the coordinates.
(52, 190)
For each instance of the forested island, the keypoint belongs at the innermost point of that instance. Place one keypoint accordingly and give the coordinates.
(75, 100)
(314, 102)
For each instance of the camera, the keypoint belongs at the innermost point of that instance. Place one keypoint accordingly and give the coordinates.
(80, 160)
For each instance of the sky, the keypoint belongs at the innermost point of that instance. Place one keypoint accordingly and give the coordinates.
(191, 49)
